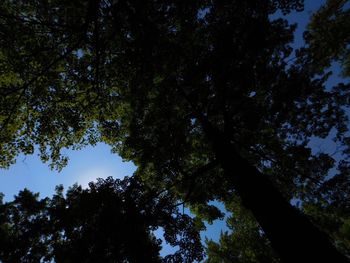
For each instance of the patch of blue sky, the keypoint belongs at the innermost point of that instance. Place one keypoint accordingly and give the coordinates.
(84, 166)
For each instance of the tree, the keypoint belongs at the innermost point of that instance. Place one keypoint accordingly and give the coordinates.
(244, 242)
(327, 40)
(198, 94)
(330, 208)
(328, 36)
(23, 233)
(111, 221)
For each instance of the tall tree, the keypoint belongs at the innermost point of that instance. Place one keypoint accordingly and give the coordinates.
(198, 94)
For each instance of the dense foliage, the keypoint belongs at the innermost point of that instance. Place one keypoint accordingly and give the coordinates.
(202, 97)
(328, 37)
(111, 221)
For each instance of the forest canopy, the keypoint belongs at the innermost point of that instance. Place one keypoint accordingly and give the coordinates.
(110, 221)
(210, 101)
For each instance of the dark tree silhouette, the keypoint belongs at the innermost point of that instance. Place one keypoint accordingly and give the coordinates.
(23, 228)
(199, 94)
(111, 221)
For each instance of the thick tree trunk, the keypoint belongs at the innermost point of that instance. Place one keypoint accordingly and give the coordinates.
(292, 235)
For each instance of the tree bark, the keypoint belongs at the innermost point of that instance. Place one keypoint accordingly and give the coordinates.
(292, 235)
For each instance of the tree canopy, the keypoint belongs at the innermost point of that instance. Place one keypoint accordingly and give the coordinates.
(328, 36)
(111, 221)
(200, 95)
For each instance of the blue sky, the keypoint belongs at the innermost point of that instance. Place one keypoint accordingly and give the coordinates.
(91, 162)
(84, 166)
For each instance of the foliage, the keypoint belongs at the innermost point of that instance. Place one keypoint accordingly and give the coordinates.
(244, 242)
(198, 94)
(331, 208)
(111, 221)
(23, 228)
(328, 36)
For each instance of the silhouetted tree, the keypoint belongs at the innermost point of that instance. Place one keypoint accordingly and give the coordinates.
(199, 94)
(111, 221)
(23, 228)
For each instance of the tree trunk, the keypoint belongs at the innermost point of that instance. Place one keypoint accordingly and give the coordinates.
(292, 235)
